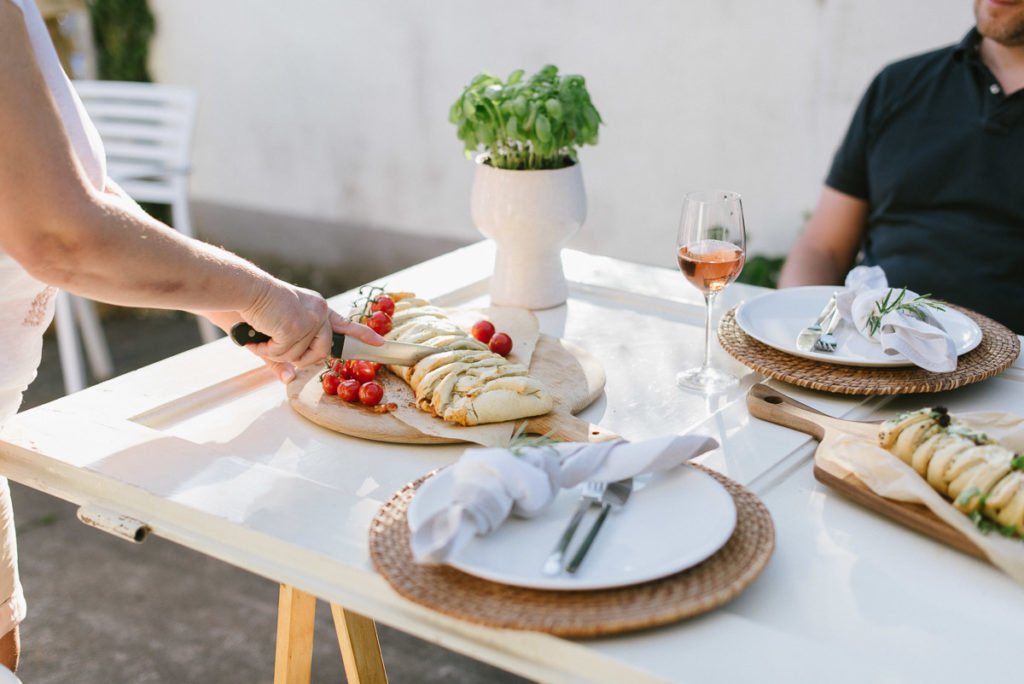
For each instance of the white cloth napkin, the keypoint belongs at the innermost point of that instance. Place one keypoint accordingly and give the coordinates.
(924, 342)
(478, 493)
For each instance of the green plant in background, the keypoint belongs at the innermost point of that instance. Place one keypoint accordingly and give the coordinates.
(122, 30)
(762, 270)
(533, 123)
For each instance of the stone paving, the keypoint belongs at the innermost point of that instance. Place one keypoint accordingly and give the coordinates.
(103, 611)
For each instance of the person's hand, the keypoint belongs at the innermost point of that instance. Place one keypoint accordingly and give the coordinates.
(300, 326)
(285, 372)
(297, 321)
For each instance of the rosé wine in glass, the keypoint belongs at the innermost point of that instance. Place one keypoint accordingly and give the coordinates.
(710, 249)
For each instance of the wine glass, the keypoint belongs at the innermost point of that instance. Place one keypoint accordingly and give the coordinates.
(710, 248)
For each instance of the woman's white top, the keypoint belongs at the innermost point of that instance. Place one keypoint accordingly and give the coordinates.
(26, 305)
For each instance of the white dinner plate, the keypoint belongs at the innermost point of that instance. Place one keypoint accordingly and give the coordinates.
(672, 521)
(776, 318)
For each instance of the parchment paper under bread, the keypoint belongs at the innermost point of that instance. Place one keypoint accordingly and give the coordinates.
(522, 327)
(888, 476)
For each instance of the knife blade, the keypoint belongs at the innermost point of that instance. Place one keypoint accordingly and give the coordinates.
(344, 347)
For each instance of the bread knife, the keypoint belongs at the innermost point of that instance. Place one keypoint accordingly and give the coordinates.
(344, 347)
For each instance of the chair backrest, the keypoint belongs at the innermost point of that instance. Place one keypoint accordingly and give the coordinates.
(146, 130)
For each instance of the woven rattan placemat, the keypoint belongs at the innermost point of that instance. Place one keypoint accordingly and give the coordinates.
(998, 349)
(576, 613)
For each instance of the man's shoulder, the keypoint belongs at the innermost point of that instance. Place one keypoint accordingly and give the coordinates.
(911, 69)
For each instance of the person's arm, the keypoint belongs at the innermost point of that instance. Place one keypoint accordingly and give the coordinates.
(68, 234)
(825, 251)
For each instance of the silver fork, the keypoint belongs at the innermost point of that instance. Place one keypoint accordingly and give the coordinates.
(592, 492)
(828, 342)
(806, 338)
(615, 496)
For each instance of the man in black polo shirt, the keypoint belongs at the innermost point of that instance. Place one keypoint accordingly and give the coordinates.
(929, 180)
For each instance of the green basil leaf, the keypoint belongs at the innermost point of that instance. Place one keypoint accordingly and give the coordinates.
(543, 128)
(554, 109)
(520, 107)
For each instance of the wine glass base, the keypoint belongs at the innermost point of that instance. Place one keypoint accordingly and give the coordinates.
(706, 380)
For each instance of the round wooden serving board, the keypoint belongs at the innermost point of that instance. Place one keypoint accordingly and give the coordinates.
(572, 375)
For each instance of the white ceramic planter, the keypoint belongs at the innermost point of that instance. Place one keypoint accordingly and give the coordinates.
(530, 215)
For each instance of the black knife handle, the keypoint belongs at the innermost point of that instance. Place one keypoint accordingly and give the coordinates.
(242, 334)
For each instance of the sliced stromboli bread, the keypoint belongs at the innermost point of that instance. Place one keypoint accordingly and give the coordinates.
(966, 466)
(464, 383)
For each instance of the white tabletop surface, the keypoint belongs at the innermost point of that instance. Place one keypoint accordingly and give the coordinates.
(204, 448)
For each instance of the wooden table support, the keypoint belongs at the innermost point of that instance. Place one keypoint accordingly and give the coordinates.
(357, 637)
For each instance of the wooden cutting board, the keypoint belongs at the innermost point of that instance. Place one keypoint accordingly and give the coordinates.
(573, 376)
(770, 405)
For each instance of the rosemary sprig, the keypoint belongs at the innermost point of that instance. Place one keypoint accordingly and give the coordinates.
(899, 302)
(1018, 462)
(521, 440)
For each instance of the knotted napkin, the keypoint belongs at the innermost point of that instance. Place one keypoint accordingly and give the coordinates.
(924, 342)
(478, 493)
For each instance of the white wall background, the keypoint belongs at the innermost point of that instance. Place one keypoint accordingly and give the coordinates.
(337, 109)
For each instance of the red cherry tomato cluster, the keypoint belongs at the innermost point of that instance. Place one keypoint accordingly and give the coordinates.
(382, 308)
(353, 381)
(497, 342)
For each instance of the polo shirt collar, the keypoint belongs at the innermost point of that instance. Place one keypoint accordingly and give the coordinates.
(969, 48)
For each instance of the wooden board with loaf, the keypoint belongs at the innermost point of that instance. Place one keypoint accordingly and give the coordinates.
(465, 393)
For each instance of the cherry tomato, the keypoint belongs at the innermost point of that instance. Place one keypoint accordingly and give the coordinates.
(371, 393)
(375, 366)
(483, 331)
(349, 390)
(363, 371)
(500, 344)
(385, 304)
(344, 370)
(380, 322)
(330, 382)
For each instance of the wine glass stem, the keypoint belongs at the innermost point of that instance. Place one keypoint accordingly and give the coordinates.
(709, 299)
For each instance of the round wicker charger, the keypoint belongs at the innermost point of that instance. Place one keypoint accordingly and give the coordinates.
(576, 613)
(998, 350)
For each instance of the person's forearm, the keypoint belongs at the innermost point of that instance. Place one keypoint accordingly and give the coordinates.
(103, 250)
(806, 265)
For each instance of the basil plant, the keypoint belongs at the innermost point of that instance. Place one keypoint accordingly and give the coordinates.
(526, 123)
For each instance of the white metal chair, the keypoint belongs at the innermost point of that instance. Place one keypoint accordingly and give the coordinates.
(146, 130)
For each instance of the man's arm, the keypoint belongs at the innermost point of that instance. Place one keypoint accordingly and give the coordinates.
(825, 251)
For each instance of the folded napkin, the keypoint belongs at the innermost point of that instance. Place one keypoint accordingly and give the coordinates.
(924, 342)
(478, 493)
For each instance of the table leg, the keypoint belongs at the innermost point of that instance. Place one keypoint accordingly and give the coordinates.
(296, 613)
(360, 650)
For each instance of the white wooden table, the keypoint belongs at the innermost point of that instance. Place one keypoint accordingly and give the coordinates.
(203, 449)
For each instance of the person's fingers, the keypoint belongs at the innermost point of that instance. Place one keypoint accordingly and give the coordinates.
(285, 372)
(282, 370)
(357, 330)
(319, 347)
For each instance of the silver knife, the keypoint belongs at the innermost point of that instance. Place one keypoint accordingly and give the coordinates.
(344, 347)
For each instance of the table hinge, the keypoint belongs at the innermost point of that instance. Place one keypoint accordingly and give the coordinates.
(121, 526)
